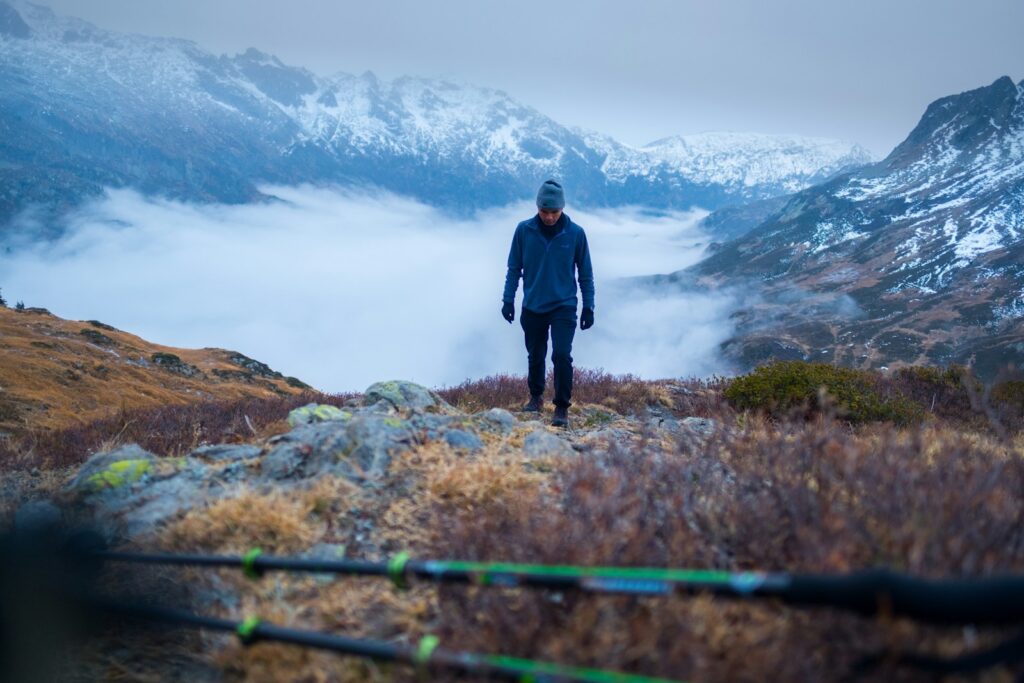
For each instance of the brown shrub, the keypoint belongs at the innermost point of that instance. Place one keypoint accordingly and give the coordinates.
(626, 394)
(169, 430)
(796, 498)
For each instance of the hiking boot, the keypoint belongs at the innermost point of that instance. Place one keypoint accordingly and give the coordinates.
(535, 404)
(561, 418)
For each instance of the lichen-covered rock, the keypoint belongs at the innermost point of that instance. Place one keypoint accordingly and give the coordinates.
(316, 412)
(458, 438)
(495, 420)
(112, 470)
(407, 396)
(130, 491)
(541, 442)
(358, 448)
(226, 452)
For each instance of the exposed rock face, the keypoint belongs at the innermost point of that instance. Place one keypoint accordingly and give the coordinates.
(130, 492)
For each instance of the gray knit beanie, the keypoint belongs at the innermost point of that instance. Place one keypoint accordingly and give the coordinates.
(550, 196)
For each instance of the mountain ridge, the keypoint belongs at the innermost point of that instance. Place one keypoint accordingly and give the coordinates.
(166, 117)
(928, 243)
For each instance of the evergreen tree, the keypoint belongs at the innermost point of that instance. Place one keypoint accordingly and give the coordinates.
(3, 301)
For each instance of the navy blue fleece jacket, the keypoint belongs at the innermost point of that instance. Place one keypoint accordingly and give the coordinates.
(548, 266)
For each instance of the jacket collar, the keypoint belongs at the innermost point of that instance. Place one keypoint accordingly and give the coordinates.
(535, 222)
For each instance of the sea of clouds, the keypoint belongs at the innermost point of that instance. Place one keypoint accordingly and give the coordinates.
(343, 289)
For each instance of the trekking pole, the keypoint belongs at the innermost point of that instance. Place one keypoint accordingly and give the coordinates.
(996, 599)
(427, 654)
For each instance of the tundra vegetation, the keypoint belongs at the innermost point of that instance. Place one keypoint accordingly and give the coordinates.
(794, 467)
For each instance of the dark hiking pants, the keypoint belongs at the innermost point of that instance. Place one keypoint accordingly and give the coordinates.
(562, 322)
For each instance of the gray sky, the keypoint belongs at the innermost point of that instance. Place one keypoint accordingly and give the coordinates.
(637, 69)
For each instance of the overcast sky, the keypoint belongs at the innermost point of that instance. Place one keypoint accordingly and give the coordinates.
(640, 69)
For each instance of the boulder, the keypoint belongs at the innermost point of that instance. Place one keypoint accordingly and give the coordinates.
(316, 412)
(112, 470)
(459, 438)
(541, 442)
(495, 420)
(129, 491)
(407, 396)
(358, 448)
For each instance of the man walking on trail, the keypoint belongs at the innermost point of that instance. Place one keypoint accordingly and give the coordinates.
(545, 251)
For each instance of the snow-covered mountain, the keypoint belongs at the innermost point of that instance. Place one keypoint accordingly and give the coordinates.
(928, 243)
(82, 108)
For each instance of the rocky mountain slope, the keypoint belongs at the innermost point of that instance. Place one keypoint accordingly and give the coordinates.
(60, 373)
(918, 258)
(82, 108)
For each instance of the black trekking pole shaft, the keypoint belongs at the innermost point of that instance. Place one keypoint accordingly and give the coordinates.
(997, 599)
(258, 562)
(426, 654)
(990, 600)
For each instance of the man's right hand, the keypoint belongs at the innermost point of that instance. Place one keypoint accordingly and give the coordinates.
(508, 311)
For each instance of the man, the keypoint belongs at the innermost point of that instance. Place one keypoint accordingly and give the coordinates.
(545, 250)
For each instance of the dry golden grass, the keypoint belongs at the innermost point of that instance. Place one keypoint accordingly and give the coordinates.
(276, 521)
(53, 376)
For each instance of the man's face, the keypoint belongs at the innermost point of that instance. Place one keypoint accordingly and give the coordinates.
(549, 216)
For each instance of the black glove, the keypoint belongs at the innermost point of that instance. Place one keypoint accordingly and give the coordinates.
(508, 311)
(587, 319)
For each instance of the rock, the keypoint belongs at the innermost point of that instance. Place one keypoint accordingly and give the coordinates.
(407, 396)
(37, 516)
(496, 420)
(225, 452)
(541, 442)
(357, 448)
(164, 499)
(380, 407)
(112, 470)
(130, 491)
(375, 440)
(431, 426)
(664, 422)
(171, 362)
(700, 426)
(458, 438)
(316, 412)
(616, 434)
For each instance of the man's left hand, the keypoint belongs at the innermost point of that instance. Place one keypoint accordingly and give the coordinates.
(587, 319)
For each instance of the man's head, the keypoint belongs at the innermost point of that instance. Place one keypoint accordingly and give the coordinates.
(550, 202)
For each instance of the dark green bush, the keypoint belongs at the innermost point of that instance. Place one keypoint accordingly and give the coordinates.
(789, 388)
(1010, 395)
(948, 378)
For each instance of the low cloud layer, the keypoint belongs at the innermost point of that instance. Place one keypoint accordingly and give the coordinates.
(342, 290)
